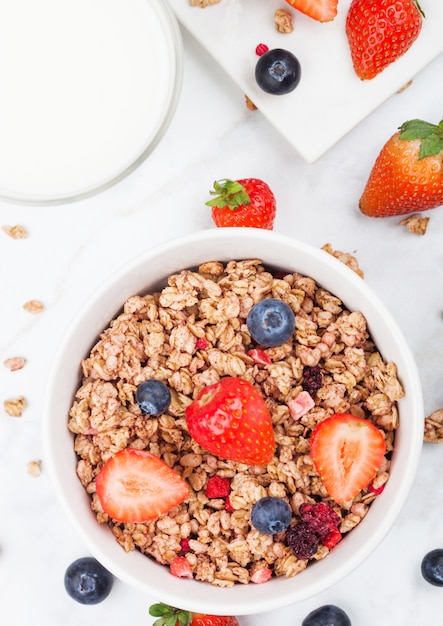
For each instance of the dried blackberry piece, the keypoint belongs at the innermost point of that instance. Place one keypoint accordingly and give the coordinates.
(321, 517)
(312, 379)
(302, 540)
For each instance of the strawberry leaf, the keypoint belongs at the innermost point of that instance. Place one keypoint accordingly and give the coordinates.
(417, 129)
(419, 8)
(228, 193)
(169, 615)
(430, 146)
(431, 136)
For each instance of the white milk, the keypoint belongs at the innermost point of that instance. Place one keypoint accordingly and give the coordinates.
(85, 86)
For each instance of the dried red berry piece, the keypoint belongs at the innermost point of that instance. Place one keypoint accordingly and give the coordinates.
(331, 539)
(180, 567)
(321, 517)
(201, 343)
(228, 505)
(218, 487)
(184, 544)
(261, 49)
(302, 540)
(259, 356)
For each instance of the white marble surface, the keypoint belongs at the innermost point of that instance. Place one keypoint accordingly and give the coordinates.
(71, 249)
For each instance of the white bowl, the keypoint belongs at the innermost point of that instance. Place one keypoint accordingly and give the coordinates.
(144, 274)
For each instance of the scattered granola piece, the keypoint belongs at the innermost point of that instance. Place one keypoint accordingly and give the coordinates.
(434, 427)
(16, 232)
(249, 104)
(405, 86)
(283, 21)
(416, 224)
(34, 468)
(33, 306)
(15, 363)
(15, 406)
(345, 258)
(203, 3)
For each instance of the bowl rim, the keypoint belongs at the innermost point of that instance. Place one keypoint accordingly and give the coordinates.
(248, 599)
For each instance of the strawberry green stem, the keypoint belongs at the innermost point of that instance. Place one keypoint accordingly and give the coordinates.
(228, 193)
(419, 8)
(169, 615)
(431, 136)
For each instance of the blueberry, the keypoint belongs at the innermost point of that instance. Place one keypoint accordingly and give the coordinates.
(153, 396)
(278, 72)
(271, 515)
(327, 615)
(271, 322)
(87, 581)
(432, 567)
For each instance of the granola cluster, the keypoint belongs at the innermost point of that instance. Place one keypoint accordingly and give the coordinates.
(190, 334)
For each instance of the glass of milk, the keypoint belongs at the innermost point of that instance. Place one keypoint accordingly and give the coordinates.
(87, 89)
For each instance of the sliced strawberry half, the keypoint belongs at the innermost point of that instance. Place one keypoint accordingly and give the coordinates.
(137, 486)
(347, 452)
(320, 10)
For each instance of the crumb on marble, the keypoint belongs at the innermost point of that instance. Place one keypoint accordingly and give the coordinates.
(348, 259)
(16, 232)
(34, 468)
(249, 104)
(15, 406)
(433, 432)
(415, 224)
(405, 86)
(15, 363)
(33, 306)
(283, 21)
(203, 3)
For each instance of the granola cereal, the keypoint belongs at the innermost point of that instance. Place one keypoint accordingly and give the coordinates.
(283, 21)
(344, 257)
(16, 232)
(15, 406)
(434, 427)
(33, 306)
(203, 3)
(15, 363)
(34, 468)
(416, 224)
(190, 334)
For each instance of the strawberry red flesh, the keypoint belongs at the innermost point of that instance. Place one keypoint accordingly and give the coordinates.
(137, 486)
(347, 452)
(231, 420)
(320, 10)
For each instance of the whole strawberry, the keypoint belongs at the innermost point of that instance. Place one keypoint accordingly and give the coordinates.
(170, 616)
(381, 31)
(408, 173)
(231, 420)
(245, 202)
